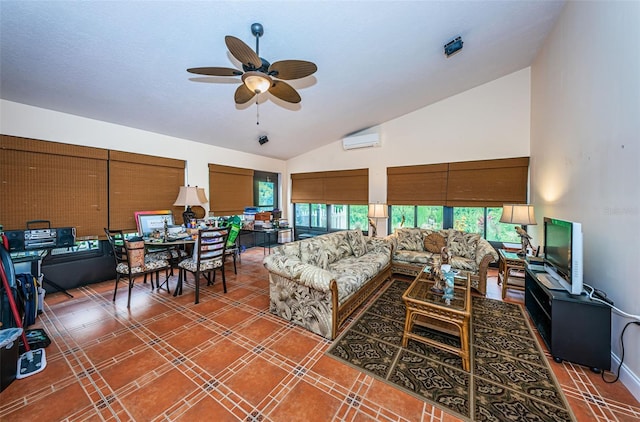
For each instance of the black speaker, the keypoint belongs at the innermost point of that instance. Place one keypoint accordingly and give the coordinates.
(16, 240)
(65, 237)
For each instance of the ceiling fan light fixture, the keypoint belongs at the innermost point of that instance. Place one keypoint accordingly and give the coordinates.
(257, 82)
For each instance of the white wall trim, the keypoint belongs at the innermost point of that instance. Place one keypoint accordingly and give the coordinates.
(627, 377)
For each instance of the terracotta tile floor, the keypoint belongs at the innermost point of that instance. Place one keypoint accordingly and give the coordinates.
(226, 358)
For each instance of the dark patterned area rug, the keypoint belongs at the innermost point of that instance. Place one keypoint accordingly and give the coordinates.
(510, 379)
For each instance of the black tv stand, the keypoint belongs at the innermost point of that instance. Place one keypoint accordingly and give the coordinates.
(574, 328)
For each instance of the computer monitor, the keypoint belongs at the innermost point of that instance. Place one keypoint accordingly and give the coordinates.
(148, 221)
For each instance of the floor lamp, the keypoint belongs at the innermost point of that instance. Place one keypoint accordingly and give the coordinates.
(520, 214)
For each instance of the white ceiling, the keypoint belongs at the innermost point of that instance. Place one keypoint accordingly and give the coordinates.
(125, 62)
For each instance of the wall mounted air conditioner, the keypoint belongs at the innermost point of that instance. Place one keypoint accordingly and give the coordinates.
(361, 141)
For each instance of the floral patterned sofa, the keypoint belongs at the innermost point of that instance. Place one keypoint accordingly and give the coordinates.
(318, 282)
(413, 248)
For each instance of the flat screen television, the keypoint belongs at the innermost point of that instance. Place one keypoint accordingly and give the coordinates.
(563, 253)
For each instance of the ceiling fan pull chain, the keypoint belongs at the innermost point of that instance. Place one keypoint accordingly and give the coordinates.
(257, 111)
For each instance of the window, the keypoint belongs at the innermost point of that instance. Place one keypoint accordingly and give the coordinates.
(497, 231)
(358, 217)
(266, 197)
(484, 221)
(469, 219)
(302, 215)
(331, 217)
(265, 190)
(430, 217)
(319, 216)
(402, 216)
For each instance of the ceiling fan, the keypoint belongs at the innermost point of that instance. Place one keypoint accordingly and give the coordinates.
(258, 75)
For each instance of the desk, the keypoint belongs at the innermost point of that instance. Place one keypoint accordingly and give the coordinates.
(266, 236)
(428, 309)
(36, 256)
(510, 271)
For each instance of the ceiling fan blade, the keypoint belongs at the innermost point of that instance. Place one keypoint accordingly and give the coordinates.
(242, 52)
(292, 69)
(243, 94)
(215, 71)
(285, 92)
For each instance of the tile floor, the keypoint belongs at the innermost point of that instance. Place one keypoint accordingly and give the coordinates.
(226, 358)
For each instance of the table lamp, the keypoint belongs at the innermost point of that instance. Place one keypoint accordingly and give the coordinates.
(187, 197)
(519, 214)
(376, 211)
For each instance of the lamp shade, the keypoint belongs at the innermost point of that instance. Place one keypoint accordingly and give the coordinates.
(518, 214)
(202, 196)
(189, 196)
(378, 211)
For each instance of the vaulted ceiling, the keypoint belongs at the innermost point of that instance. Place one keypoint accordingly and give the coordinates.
(125, 62)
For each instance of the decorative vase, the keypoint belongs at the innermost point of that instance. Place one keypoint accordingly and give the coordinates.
(448, 287)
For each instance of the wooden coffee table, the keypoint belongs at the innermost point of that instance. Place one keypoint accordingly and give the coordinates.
(426, 308)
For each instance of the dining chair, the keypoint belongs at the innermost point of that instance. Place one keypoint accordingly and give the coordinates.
(233, 250)
(208, 257)
(131, 262)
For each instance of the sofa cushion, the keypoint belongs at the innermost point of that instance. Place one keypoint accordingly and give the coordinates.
(325, 249)
(434, 243)
(415, 257)
(357, 242)
(461, 263)
(351, 272)
(410, 239)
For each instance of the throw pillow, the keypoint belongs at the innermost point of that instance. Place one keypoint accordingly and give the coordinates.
(434, 243)
(410, 239)
(456, 243)
(357, 242)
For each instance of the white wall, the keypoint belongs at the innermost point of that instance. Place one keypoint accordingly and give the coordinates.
(487, 122)
(585, 150)
(32, 122)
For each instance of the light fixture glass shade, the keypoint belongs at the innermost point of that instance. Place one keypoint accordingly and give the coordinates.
(378, 211)
(518, 214)
(257, 82)
(188, 196)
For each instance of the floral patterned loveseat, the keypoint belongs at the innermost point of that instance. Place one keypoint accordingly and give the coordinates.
(413, 248)
(318, 282)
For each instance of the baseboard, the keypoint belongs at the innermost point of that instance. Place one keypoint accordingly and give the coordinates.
(627, 377)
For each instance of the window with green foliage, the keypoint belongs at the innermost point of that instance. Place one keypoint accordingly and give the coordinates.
(469, 219)
(484, 221)
(343, 217)
(497, 231)
(302, 215)
(265, 190)
(430, 217)
(402, 216)
(266, 197)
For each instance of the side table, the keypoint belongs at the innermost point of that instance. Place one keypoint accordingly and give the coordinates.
(510, 271)
(427, 308)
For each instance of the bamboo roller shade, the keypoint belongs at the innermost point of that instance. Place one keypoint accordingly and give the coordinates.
(230, 189)
(82, 187)
(65, 184)
(484, 183)
(140, 182)
(331, 187)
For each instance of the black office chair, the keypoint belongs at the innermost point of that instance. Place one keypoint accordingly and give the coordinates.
(131, 262)
(208, 257)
